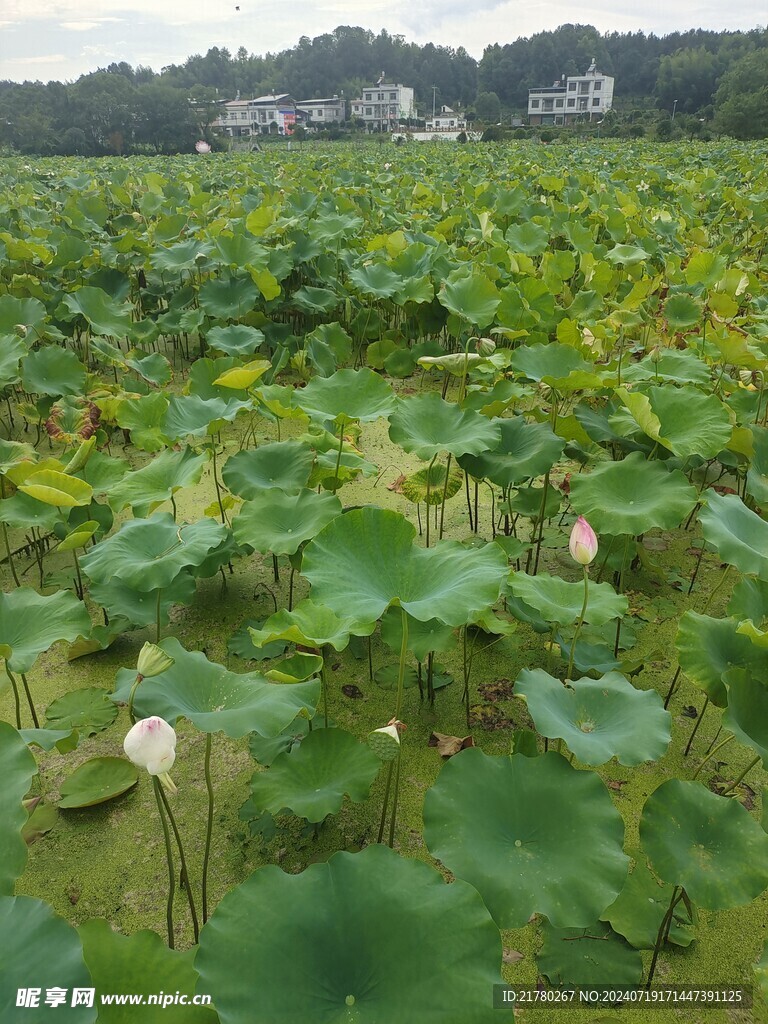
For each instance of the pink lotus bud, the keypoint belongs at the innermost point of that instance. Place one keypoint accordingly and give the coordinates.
(151, 744)
(583, 542)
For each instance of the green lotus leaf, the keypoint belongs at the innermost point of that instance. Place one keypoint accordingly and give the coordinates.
(428, 425)
(455, 363)
(442, 482)
(204, 372)
(638, 910)
(587, 956)
(310, 624)
(708, 647)
(148, 554)
(196, 416)
(146, 488)
(276, 522)
(139, 607)
(29, 924)
(351, 971)
(324, 472)
(346, 395)
(18, 767)
(632, 496)
(708, 844)
(527, 502)
(284, 464)
(312, 780)
(31, 623)
(21, 512)
(153, 367)
(99, 638)
(561, 602)
(97, 781)
(387, 677)
(266, 750)
(88, 710)
(53, 371)
(376, 279)
(747, 713)
(749, 603)
(552, 362)
(144, 417)
(315, 300)
(242, 643)
(598, 718)
(528, 238)
(140, 964)
(295, 669)
(757, 475)
(79, 536)
(104, 314)
(739, 536)
(683, 420)
(63, 739)
(532, 834)
(471, 296)
(682, 311)
(228, 298)
(669, 365)
(235, 340)
(14, 453)
(366, 560)
(423, 637)
(526, 450)
(29, 312)
(178, 257)
(242, 377)
(57, 489)
(214, 699)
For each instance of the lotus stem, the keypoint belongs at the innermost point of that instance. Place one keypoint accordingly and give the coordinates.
(579, 624)
(711, 753)
(696, 727)
(385, 802)
(429, 482)
(209, 827)
(738, 781)
(324, 681)
(216, 484)
(469, 500)
(10, 556)
(696, 568)
(290, 590)
(477, 522)
(445, 491)
(675, 677)
(370, 659)
(621, 591)
(15, 695)
(169, 858)
(184, 876)
(338, 458)
(715, 589)
(661, 938)
(542, 510)
(157, 616)
(275, 570)
(395, 795)
(80, 589)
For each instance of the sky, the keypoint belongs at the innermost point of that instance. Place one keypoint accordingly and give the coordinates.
(62, 39)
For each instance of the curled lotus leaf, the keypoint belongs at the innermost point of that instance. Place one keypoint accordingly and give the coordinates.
(738, 534)
(18, 767)
(428, 425)
(31, 623)
(525, 450)
(559, 601)
(347, 395)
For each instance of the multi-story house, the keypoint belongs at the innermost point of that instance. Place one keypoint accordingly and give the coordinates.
(577, 97)
(257, 116)
(321, 112)
(384, 104)
(446, 121)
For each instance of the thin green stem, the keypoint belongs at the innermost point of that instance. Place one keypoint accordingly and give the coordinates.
(385, 802)
(157, 617)
(429, 483)
(216, 484)
(169, 858)
(738, 781)
(184, 872)
(395, 794)
(666, 921)
(209, 828)
(715, 589)
(542, 510)
(10, 556)
(711, 754)
(15, 695)
(30, 701)
(338, 458)
(700, 719)
(445, 492)
(80, 590)
(579, 624)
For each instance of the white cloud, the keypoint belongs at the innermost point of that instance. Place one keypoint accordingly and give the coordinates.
(52, 58)
(87, 26)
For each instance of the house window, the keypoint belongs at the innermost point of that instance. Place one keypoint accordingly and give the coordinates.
(368, 111)
(393, 95)
(571, 103)
(582, 104)
(534, 103)
(598, 85)
(596, 101)
(369, 96)
(547, 104)
(572, 87)
(558, 103)
(583, 87)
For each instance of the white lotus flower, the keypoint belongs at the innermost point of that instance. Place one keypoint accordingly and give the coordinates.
(151, 744)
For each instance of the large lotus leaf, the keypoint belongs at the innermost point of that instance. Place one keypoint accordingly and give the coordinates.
(532, 834)
(640, 907)
(682, 311)
(707, 843)
(350, 394)
(526, 450)
(672, 365)
(423, 637)
(296, 668)
(279, 522)
(97, 781)
(366, 559)
(57, 489)
(632, 496)
(527, 502)
(17, 768)
(747, 713)
(53, 371)
(31, 623)
(310, 624)
(104, 314)
(235, 340)
(757, 475)
(561, 602)
(29, 312)
(284, 464)
(228, 298)
(88, 710)
(153, 367)
(376, 279)
(148, 554)
(140, 964)
(587, 956)
(12, 349)
(204, 372)
(553, 362)
(739, 535)
(140, 607)
(691, 423)
(324, 471)
(103, 472)
(471, 296)
(14, 453)
(21, 511)
(311, 781)
(371, 927)
(42, 951)
(749, 604)
(146, 488)
(143, 417)
(196, 416)
(708, 647)
(315, 300)
(214, 699)
(598, 718)
(428, 425)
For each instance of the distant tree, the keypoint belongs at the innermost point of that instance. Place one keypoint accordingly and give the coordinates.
(488, 107)
(690, 77)
(741, 101)
(164, 118)
(102, 107)
(73, 142)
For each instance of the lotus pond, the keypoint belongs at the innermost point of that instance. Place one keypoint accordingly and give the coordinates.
(385, 583)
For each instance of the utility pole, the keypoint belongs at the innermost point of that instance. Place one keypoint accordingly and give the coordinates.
(674, 108)
(434, 90)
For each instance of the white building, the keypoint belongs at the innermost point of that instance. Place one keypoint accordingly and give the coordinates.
(322, 112)
(257, 116)
(383, 105)
(577, 97)
(446, 121)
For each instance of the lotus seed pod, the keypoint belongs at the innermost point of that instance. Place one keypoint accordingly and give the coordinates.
(385, 743)
(152, 661)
